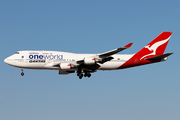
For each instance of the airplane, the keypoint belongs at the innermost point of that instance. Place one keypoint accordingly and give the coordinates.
(85, 64)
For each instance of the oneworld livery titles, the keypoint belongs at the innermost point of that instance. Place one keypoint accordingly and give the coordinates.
(50, 57)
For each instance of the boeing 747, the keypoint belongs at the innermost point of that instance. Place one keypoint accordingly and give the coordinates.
(85, 64)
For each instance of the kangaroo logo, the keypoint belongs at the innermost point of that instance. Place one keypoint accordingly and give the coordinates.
(154, 47)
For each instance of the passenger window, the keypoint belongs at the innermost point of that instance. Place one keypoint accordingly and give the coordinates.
(17, 53)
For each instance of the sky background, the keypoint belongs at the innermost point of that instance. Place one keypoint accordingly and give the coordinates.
(150, 92)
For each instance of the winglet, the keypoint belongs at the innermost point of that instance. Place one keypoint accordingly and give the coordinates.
(128, 45)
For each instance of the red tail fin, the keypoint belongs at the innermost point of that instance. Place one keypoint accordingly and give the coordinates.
(154, 48)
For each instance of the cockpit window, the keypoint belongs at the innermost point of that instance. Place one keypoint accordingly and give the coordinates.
(17, 53)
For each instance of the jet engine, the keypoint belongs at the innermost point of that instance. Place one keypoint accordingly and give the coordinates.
(89, 61)
(65, 66)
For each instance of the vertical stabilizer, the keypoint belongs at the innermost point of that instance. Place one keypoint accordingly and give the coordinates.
(155, 48)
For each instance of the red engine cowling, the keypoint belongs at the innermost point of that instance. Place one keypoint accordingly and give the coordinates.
(65, 66)
(89, 61)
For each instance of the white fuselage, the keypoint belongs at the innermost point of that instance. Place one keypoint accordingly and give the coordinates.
(46, 59)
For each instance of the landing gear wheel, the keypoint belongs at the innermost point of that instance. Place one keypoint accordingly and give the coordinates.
(22, 74)
(89, 75)
(80, 76)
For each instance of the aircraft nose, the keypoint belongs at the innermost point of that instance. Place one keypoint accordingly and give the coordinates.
(5, 60)
(8, 61)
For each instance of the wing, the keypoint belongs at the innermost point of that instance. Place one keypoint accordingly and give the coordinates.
(101, 58)
(104, 57)
(89, 63)
(112, 52)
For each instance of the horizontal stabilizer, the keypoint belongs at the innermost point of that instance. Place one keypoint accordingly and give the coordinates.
(159, 57)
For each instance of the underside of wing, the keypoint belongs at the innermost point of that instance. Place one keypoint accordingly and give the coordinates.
(89, 67)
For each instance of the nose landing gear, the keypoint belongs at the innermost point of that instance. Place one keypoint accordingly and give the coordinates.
(22, 73)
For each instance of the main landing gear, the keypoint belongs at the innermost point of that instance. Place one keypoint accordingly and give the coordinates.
(22, 74)
(80, 74)
(85, 75)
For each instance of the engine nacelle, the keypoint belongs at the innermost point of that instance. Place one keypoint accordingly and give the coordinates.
(65, 66)
(62, 72)
(89, 61)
